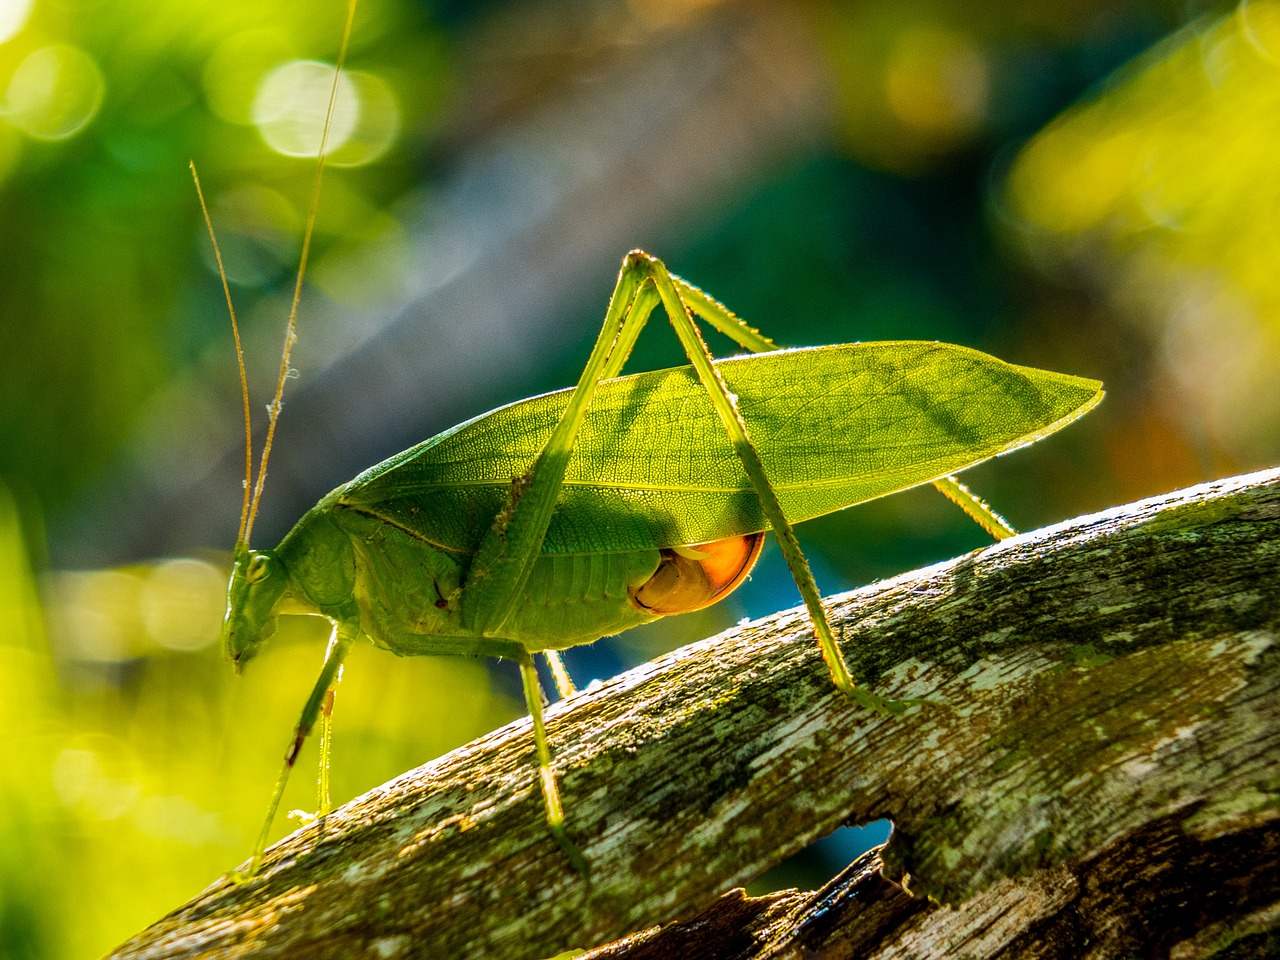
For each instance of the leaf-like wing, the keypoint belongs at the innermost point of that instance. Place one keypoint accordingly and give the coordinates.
(835, 426)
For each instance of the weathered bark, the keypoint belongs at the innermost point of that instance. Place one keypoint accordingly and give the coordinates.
(1161, 891)
(1097, 773)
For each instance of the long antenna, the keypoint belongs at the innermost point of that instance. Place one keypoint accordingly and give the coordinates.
(291, 336)
(242, 534)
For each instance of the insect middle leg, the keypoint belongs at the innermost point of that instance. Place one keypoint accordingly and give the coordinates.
(546, 776)
(501, 566)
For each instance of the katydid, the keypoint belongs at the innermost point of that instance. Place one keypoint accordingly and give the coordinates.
(556, 520)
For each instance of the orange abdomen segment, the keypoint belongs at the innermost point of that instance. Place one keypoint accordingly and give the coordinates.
(690, 578)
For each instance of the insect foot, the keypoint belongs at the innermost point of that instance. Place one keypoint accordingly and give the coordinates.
(576, 859)
(241, 877)
(884, 706)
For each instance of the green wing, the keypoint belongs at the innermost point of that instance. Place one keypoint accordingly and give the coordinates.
(834, 425)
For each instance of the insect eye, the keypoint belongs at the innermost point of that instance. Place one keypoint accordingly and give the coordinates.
(258, 568)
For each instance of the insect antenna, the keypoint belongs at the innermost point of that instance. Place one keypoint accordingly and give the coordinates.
(249, 510)
(242, 534)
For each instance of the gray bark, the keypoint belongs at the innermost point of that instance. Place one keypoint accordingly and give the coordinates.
(1096, 774)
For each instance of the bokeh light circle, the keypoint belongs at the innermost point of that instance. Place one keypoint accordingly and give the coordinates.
(289, 109)
(13, 17)
(377, 126)
(54, 93)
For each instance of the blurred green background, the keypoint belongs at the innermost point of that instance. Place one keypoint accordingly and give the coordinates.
(1085, 185)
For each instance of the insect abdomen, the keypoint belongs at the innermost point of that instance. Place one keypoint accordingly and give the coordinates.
(577, 598)
(690, 578)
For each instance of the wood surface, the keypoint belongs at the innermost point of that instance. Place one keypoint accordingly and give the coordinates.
(1096, 773)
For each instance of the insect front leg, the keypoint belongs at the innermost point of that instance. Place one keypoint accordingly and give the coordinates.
(344, 634)
(323, 802)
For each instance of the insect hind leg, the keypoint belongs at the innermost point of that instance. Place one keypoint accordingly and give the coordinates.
(669, 292)
(732, 326)
(560, 673)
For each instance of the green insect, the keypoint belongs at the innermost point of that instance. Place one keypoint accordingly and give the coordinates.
(556, 520)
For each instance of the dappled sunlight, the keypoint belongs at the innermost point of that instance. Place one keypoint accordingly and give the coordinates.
(182, 603)
(96, 777)
(377, 124)
(233, 73)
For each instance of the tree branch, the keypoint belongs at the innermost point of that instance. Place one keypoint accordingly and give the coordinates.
(1101, 691)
